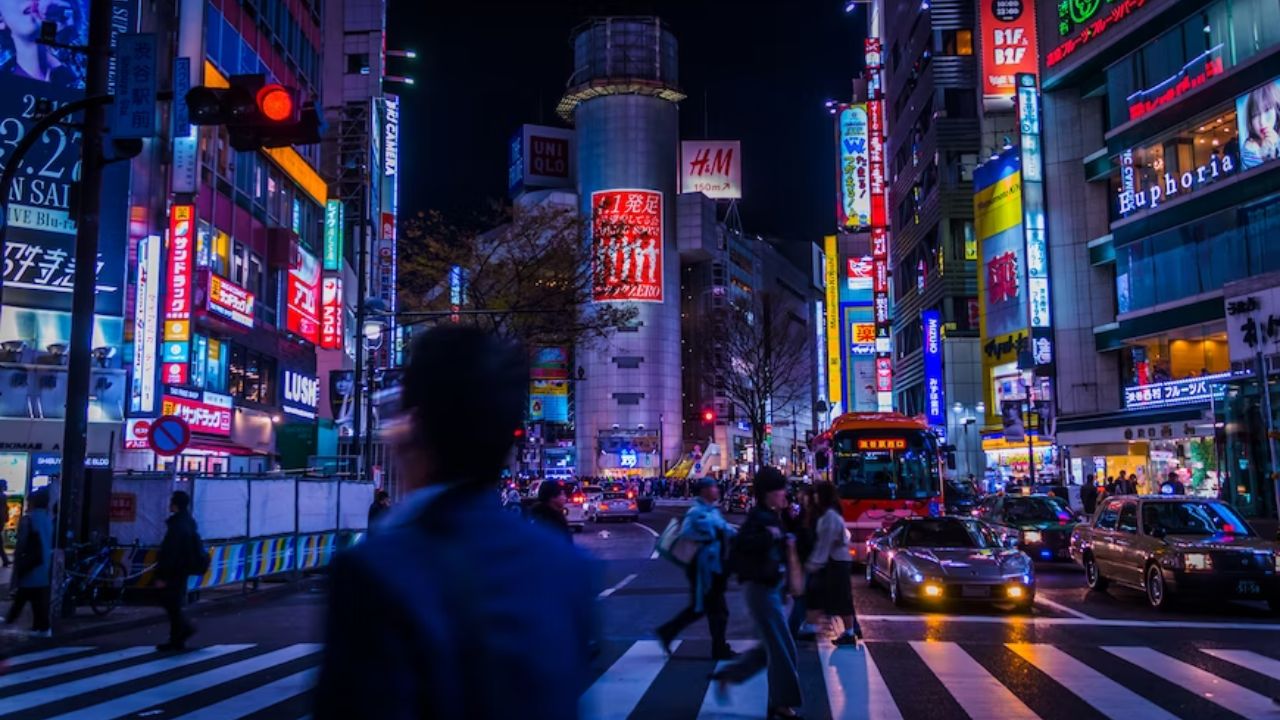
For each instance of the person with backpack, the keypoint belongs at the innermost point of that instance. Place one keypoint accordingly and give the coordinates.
(32, 561)
(758, 556)
(708, 580)
(181, 555)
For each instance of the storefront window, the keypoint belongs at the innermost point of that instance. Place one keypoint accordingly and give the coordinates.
(251, 376)
(1189, 353)
(1177, 164)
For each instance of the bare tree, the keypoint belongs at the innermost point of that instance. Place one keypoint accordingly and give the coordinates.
(523, 274)
(765, 362)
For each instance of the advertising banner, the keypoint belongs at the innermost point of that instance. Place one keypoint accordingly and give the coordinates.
(331, 311)
(935, 399)
(835, 374)
(1081, 21)
(627, 245)
(711, 167)
(541, 157)
(334, 228)
(202, 417)
(1011, 421)
(1008, 48)
(875, 164)
(302, 307)
(1033, 219)
(853, 175)
(859, 273)
(179, 295)
(549, 401)
(229, 301)
(1258, 118)
(998, 225)
(550, 363)
(146, 327)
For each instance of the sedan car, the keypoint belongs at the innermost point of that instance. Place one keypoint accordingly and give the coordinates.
(937, 560)
(613, 506)
(1042, 524)
(1169, 546)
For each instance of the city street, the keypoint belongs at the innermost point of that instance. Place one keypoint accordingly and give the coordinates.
(1079, 655)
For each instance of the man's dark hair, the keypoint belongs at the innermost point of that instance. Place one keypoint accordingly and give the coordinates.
(549, 489)
(825, 497)
(466, 392)
(180, 500)
(382, 495)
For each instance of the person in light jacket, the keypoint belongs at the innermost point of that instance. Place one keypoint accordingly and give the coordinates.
(708, 579)
(830, 557)
(33, 561)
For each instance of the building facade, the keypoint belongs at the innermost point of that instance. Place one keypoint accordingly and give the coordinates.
(1159, 160)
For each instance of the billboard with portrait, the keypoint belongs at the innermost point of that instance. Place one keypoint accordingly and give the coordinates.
(1258, 120)
(627, 252)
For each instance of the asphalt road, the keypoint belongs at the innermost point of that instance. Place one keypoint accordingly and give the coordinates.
(1076, 655)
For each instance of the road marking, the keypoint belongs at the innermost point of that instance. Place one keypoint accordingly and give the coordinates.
(55, 693)
(653, 555)
(619, 690)
(855, 688)
(1235, 698)
(976, 690)
(171, 691)
(648, 529)
(258, 698)
(1106, 695)
(625, 581)
(29, 658)
(1061, 608)
(61, 668)
(745, 700)
(1248, 660)
(1077, 622)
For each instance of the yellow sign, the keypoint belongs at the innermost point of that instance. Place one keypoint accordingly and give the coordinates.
(834, 359)
(864, 333)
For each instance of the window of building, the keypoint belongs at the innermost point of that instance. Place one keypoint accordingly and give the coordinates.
(953, 42)
(357, 63)
(251, 376)
(209, 363)
(1179, 163)
(1177, 355)
(960, 103)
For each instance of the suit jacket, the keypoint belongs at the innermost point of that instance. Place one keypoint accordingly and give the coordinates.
(456, 609)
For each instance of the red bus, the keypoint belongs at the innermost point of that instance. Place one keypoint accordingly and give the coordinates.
(885, 466)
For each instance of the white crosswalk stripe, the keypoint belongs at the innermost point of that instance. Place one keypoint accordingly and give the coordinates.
(221, 682)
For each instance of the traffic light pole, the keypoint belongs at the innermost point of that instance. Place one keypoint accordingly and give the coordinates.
(84, 293)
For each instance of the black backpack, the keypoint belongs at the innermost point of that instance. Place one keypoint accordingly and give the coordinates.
(199, 560)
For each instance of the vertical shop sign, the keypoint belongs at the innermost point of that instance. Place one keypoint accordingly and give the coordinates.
(331, 307)
(146, 326)
(875, 162)
(935, 400)
(853, 176)
(1008, 48)
(835, 358)
(627, 246)
(1033, 220)
(302, 308)
(334, 227)
(179, 295)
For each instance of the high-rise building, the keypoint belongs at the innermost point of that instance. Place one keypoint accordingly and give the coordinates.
(1162, 163)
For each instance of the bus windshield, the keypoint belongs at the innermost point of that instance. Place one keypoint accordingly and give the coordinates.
(879, 465)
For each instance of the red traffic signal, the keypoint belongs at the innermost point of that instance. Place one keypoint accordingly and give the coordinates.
(275, 103)
(708, 416)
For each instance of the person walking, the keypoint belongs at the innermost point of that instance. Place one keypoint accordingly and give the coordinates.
(1089, 495)
(180, 557)
(804, 616)
(455, 608)
(33, 565)
(830, 558)
(759, 554)
(704, 525)
(549, 510)
(380, 505)
(4, 520)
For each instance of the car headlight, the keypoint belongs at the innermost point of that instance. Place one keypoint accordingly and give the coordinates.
(1032, 536)
(1197, 562)
(912, 573)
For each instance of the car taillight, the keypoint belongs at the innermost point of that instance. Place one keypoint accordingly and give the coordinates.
(631, 506)
(579, 499)
(604, 506)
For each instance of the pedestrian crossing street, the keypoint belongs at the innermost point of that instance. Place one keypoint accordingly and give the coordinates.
(880, 681)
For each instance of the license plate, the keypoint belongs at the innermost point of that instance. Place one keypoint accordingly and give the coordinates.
(975, 591)
(1248, 587)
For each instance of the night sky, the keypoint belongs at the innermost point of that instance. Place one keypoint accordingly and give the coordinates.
(764, 68)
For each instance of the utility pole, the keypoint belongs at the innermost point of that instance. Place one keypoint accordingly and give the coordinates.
(76, 426)
(358, 394)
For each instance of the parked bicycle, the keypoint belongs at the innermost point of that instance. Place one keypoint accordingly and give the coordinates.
(96, 579)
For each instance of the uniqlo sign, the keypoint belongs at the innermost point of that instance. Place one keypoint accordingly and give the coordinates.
(331, 313)
(201, 417)
(626, 237)
(1008, 48)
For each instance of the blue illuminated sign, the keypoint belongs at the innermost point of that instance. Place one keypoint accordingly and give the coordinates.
(935, 400)
(1176, 392)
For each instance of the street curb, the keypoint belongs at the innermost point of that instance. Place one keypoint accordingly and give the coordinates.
(199, 609)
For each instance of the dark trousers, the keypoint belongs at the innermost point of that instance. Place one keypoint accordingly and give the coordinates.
(714, 608)
(39, 599)
(776, 652)
(172, 597)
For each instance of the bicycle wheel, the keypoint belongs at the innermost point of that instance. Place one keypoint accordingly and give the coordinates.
(107, 589)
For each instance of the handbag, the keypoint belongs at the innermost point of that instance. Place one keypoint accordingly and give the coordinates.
(675, 548)
(795, 571)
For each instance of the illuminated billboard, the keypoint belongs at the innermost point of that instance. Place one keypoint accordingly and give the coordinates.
(835, 356)
(1008, 48)
(997, 211)
(1079, 22)
(229, 301)
(302, 299)
(334, 228)
(1258, 120)
(331, 311)
(875, 164)
(201, 417)
(935, 399)
(179, 292)
(627, 252)
(146, 326)
(853, 202)
(711, 167)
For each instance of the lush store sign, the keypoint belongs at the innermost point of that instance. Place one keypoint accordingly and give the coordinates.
(300, 394)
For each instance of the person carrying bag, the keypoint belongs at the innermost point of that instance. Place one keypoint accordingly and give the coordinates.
(699, 546)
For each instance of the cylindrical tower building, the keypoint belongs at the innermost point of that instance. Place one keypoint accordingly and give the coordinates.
(622, 98)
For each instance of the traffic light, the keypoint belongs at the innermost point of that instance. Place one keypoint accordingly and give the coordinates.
(708, 416)
(257, 114)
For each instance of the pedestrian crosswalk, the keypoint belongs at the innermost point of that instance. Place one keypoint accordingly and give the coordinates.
(882, 680)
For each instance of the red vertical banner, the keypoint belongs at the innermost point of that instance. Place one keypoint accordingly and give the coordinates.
(875, 154)
(179, 295)
(1008, 48)
(331, 313)
(626, 237)
(302, 316)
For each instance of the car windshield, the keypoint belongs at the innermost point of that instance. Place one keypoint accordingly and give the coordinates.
(1033, 509)
(592, 490)
(947, 534)
(1192, 518)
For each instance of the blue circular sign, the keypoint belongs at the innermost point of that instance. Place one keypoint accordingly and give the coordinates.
(169, 435)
